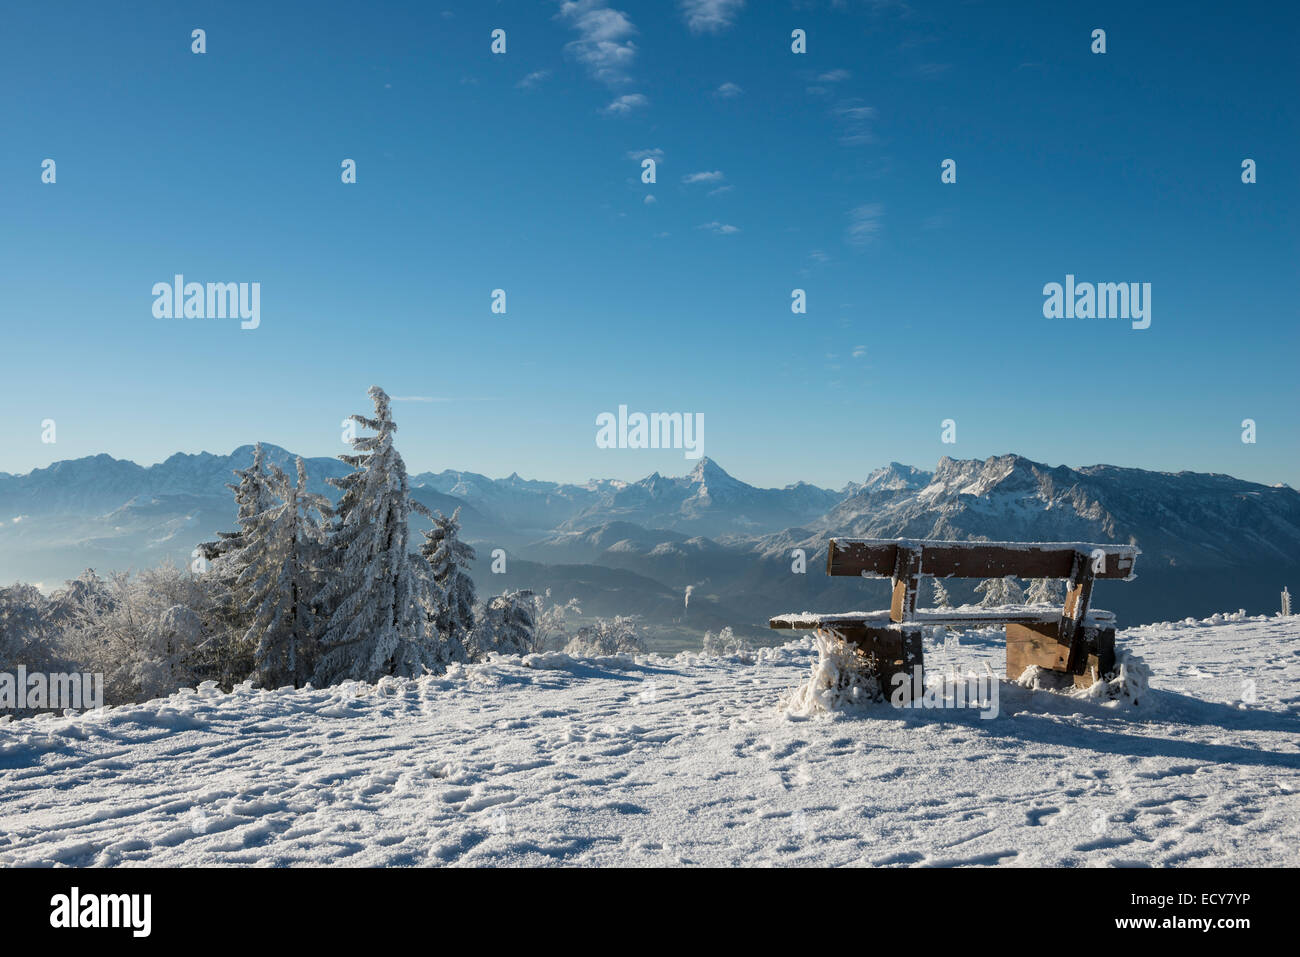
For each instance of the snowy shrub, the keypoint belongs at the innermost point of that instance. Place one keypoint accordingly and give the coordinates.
(26, 635)
(842, 678)
(725, 642)
(550, 620)
(505, 626)
(146, 634)
(606, 636)
(1129, 683)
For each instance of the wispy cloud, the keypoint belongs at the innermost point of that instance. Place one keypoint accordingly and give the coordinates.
(444, 398)
(710, 176)
(864, 224)
(627, 103)
(532, 79)
(857, 122)
(834, 76)
(721, 189)
(859, 351)
(930, 70)
(721, 229)
(728, 91)
(604, 42)
(710, 16)
(655, 154)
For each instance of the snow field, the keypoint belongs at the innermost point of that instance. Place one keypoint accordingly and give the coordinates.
(688, 760)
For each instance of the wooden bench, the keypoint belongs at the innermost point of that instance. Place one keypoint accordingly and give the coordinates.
(1076, 640)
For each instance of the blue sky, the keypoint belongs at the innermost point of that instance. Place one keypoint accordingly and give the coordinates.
(519, 171)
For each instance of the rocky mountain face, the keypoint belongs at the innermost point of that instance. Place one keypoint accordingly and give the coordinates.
(1209, 542)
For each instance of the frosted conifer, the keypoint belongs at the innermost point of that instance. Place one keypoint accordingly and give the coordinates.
(281, 552)
(1045, 591)
(1000, 591)
(449, 558)
(374, 588)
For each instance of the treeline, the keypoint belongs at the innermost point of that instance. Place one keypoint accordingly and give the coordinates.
(301, 591)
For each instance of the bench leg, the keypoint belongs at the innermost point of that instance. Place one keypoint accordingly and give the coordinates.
(896, 650)
(1041, 645)
(913, 658)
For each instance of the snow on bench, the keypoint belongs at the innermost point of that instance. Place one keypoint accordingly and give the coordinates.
(1076, 639)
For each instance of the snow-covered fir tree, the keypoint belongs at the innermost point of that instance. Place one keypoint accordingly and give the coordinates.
(282, 550)
(941, 597)
(1000, 591)
(1045, 591)
(449, 558)
(505, 626)
(374, 588)
(253, 495)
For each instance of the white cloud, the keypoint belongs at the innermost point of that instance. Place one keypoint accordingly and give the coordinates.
(834, 76)
(857, 122)
(603, 45)
(532, 79)
(655, 154)
(722, 229)
(859, 351)
(627, 103)
(721, 189)
(728, 91)
(650, 199)
(864, 224)
(710, 176)
(442, 398)
(710, 16)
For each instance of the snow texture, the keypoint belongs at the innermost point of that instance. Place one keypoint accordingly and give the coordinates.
(643, 760)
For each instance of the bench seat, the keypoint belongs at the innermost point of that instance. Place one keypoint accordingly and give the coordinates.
(970, 615)
(1032, 635)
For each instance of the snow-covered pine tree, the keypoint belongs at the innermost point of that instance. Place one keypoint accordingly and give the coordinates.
(449, 558)
(505, 626)
(941, 596)
(253, 495)
(373, 591)
(279, 561)
(1045, 591)
(1000, 591)
(226, 648)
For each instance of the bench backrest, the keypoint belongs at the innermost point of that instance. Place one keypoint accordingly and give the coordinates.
(878, 558)
(907, 560)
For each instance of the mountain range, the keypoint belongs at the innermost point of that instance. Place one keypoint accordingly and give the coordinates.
(1209, 542)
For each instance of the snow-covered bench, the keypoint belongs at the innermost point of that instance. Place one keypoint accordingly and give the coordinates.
(1077, 639)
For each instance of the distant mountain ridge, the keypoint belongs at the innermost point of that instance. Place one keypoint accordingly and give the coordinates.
(1206, 538)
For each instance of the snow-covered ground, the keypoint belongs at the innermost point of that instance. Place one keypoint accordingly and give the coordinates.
(685, 760)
